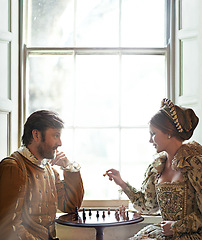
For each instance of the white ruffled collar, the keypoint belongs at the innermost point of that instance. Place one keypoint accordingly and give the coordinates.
(23, 150)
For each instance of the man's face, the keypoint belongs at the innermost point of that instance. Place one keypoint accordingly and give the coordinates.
(47, 148)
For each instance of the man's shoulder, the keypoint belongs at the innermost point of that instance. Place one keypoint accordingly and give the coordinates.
(11, 160)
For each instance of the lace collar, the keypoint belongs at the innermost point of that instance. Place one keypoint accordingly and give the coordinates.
(27, 154)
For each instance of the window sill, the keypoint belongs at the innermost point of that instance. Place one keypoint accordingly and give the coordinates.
(104, 203)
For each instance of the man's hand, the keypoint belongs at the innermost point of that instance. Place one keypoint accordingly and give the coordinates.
(59, 160)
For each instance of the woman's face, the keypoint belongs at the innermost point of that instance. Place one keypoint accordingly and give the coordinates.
(159, 139)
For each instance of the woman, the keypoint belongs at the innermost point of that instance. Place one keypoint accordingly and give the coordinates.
(173, 181)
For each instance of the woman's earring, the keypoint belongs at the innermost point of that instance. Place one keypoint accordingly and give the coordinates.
(169, 136)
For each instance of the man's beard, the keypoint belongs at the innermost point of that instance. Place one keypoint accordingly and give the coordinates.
(45, 154)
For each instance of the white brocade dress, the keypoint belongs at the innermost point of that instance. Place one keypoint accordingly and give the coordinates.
(179, 201)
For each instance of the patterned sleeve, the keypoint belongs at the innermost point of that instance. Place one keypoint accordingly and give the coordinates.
(192, 222)
(145, 200)
(11, 201)
(70, 191)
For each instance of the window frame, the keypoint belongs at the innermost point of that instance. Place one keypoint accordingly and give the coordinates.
(168, 51)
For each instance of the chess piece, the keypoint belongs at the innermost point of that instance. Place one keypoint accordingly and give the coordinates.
(76, 214)
(97, 215)
(84, 214)
(103, 214)
(124, 215)
(108, 211)
(90, 213)
(117, 216)
(127, 216)
(120, 209)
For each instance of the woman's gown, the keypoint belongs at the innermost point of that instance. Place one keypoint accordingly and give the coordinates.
(178, 201)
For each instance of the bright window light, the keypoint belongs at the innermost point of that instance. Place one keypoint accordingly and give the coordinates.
(101, 64)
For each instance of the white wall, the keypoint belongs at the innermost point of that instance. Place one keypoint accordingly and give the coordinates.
(8, 76)
(189, 58)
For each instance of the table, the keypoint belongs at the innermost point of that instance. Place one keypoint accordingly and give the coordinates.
(99, 219)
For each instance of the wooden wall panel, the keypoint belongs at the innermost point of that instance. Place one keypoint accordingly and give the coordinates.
(188, 57)
(189, 68)
(4, 15)
(4, 134)
(4, 69)
(188, 16)
(9, 77)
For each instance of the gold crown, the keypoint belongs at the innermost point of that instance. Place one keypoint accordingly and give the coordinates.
(173, 113)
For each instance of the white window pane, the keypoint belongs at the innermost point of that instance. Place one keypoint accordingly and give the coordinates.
(143, 23)
(136, 155)
(67, 147)
(97, 23)
(143, 88)
(97, 91)
(51, 85)
(97, 150)
(105, 100)
(50, 23)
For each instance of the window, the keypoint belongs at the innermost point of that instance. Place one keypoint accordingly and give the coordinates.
(103, 66)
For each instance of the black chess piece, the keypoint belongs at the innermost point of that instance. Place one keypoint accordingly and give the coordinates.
(97, 215)
(127, 216)
(76, 214)
(84, 214)
(90, 213)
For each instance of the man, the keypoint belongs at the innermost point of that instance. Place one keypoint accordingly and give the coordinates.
(30, 189)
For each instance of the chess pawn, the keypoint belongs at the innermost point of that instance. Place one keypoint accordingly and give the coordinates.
(90, 213)
(103, 214)
(97, 215)
(117, 216)
(108, 211)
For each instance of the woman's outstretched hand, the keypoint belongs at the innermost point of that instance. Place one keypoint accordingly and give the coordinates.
(115, 175)
(166, 228)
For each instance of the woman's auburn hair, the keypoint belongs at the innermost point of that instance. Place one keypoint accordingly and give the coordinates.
(163, 123)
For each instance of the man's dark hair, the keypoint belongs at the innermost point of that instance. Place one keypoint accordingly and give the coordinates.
(40, 120)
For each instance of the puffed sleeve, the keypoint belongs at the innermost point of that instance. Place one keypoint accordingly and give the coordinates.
(70, 191)
(192, 222)
(144, 200)
(12, 193)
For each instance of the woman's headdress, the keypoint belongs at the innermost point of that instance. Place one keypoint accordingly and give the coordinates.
(184, 119)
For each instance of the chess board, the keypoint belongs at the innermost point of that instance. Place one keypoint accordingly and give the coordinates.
(88, 217)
